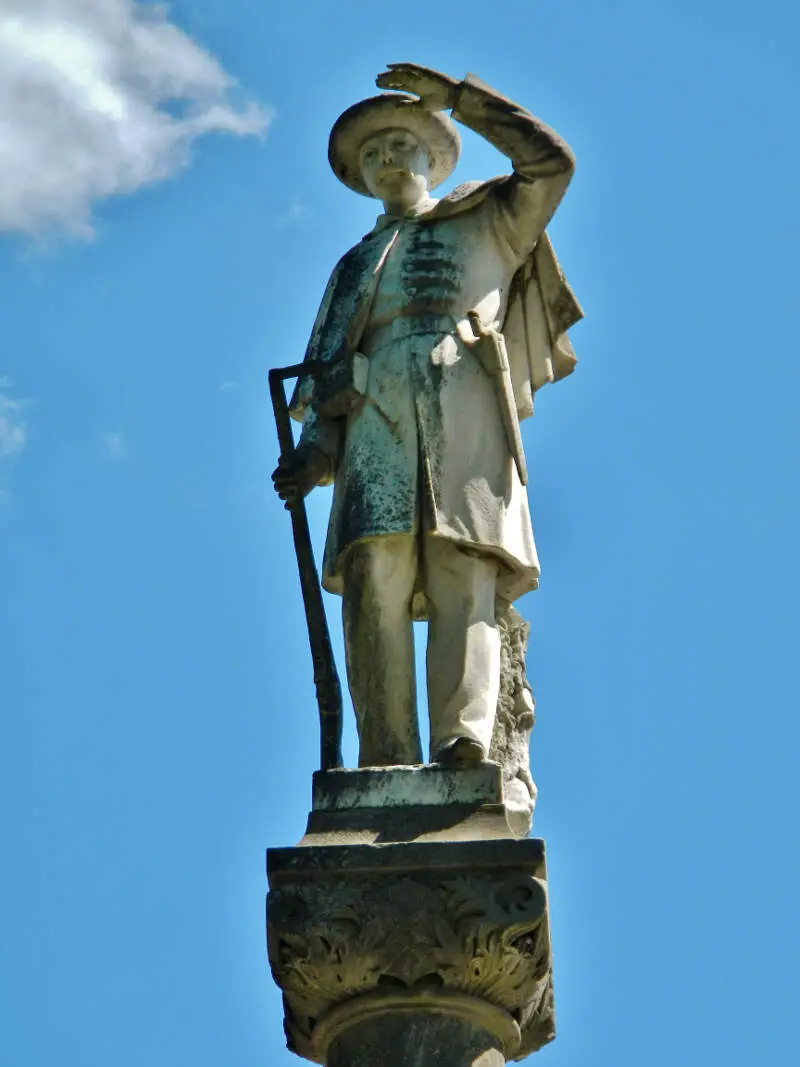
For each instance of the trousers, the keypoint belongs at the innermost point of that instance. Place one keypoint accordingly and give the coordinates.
(463, 655)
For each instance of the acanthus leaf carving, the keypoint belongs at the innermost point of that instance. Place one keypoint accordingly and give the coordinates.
(332, 939)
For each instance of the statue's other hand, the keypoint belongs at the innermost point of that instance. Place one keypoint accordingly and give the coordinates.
(437, 92)
(296, 475)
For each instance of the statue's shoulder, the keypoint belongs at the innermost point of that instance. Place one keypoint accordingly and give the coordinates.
(356, 260)
(466, 196)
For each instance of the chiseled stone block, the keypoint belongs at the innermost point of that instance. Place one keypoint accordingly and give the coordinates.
(379, 805)
(427, 784)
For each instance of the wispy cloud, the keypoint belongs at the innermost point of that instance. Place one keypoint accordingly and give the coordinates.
(13, 434)
(98, 98)
(296, 211)
(13, 428)
(116, 447)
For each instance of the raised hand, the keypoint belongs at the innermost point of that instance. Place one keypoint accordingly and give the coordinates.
(437, 92)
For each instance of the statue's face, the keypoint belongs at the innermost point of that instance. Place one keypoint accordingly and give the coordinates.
(395, 166)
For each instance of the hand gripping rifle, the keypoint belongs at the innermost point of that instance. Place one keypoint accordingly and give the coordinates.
(326, 678)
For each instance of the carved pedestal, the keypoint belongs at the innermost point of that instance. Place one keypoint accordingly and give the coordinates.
(434, 952)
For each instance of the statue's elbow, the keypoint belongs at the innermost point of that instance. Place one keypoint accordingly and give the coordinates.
(558, 162)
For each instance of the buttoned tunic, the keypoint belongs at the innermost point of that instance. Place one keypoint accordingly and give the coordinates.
(426, 450)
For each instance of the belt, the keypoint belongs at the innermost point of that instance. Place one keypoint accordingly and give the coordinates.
(406, 326)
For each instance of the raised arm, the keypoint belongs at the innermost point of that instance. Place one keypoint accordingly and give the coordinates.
(543, 163)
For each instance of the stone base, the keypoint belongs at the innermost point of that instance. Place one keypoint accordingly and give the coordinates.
(435, 953)
(377, 805)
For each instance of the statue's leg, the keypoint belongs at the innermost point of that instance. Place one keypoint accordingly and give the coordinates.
(463, 662)
(379, 576)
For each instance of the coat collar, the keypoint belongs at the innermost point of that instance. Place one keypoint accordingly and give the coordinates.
(423, 208)
(461, 199)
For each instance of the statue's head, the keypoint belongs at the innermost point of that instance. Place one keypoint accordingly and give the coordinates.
(395, 165)
(392, 148)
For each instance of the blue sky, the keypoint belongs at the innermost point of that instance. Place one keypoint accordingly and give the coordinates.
(158, 711)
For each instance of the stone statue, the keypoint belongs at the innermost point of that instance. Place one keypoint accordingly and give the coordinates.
(411, 923)
(434, 333)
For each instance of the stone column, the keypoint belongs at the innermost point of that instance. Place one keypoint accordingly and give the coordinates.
(408, 934)
(442, 1031)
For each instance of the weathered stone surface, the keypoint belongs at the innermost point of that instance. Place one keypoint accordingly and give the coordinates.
(514, 722)
(447, 920)
(410, 928)
(434, 332)
(377, 805)
(383, 787)
(423, 1031)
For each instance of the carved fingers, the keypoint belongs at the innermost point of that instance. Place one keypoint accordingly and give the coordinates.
(296, 475)
(436, 91)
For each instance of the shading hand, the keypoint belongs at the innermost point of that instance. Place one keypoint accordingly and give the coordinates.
(436, 91)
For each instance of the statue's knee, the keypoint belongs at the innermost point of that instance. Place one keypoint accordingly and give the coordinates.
(383, 569)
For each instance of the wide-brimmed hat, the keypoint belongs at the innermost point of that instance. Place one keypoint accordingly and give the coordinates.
(434, 129)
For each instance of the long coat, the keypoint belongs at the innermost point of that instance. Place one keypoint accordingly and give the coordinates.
(425, 449)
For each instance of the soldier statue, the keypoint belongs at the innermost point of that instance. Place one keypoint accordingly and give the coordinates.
(434, 333)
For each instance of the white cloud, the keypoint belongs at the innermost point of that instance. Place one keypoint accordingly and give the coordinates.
(98, 98)
(116, 447)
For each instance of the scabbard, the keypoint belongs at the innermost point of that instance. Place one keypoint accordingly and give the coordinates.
(494, 358)
(508, 410)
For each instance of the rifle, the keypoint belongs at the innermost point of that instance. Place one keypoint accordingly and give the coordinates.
(326, 677)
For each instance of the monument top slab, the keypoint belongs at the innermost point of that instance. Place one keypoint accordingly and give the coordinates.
(424, 785)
